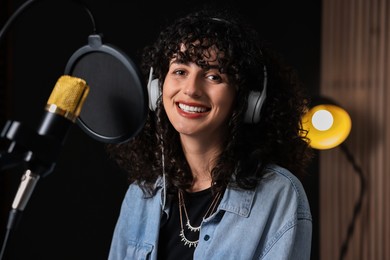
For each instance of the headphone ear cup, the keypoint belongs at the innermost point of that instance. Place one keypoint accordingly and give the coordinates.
(154, 93)
(255, 102)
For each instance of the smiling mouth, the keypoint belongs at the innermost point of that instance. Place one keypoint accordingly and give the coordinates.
(192, 109)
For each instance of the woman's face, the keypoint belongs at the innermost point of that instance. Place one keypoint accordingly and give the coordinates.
(198, 102)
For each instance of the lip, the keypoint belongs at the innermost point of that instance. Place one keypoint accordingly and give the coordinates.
(193, 114)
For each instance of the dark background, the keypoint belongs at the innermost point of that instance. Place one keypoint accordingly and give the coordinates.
(72, 212)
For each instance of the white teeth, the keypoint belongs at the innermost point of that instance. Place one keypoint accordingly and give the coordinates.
(191, 109)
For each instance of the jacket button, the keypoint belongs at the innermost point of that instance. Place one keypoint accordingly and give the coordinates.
(206, 237)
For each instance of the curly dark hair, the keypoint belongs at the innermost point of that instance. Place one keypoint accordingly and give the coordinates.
(278, 138)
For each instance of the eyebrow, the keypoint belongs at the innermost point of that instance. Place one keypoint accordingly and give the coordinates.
(206, 66)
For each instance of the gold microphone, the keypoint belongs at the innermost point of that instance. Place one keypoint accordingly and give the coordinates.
(68, 97)
(62, 109)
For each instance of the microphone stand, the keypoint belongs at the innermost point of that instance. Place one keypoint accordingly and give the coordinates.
(21, 151)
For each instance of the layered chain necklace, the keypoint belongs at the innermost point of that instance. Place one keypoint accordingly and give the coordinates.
(191, 228)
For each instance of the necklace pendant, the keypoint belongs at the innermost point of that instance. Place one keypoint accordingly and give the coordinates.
(193, 229)
(188, 242)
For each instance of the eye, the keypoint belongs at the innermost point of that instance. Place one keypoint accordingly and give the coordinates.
(214, 77)
(179, 72)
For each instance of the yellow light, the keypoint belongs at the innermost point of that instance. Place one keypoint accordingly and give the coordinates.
(322, 120)
(327, 125)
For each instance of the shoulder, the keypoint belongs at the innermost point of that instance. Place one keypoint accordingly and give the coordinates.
(280, 177)
(140, 190)
(283, 188)
(137, 193)
(278, 192)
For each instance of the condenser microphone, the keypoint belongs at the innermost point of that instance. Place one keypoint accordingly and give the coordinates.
(62, 109)
(39, 149)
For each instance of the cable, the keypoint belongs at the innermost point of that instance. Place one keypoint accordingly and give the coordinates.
(13, 219)
(4, 243)
(359, 202)
(14, 16)
(89, 14)
(28, 3)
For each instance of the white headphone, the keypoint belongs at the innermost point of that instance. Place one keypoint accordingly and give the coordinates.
(255, 99)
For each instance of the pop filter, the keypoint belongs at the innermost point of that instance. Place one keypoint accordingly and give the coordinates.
(117, 104)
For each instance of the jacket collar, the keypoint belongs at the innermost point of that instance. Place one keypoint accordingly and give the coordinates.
(237, 201)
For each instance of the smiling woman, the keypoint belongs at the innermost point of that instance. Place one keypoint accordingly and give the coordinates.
(199, 168)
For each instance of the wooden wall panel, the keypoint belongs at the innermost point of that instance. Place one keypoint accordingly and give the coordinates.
(355, 72)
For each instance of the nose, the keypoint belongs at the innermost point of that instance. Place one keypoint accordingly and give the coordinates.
(193, 86)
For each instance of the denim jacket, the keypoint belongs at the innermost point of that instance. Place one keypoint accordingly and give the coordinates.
(271, 222)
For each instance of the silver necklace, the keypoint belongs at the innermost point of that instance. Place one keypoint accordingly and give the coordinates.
(191, 228)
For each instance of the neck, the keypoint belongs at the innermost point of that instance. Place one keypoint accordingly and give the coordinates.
(201, 157)
(200, 185)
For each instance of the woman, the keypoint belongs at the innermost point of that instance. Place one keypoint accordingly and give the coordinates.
(215, 172)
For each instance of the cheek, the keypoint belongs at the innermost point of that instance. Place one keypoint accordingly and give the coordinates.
(226, 100)
(168, 95)
(168, 89)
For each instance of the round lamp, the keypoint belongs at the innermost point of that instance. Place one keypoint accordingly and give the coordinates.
(328, 125)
